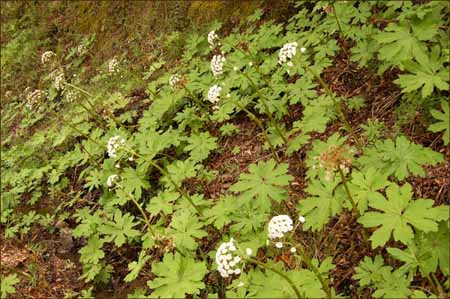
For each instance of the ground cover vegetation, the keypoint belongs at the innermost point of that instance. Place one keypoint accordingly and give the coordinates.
(301, 154)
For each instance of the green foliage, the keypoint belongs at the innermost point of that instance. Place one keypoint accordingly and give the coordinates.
(184, 228)
(120, 229)
(264, 182)
(7, 285)
(400, 214)
(400, 157)
(177, 276)
(444, 121)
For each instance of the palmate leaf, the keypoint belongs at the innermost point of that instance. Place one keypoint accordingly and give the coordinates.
(136, 266)
(444, 121)
(265, 181)
(184, 228)
(177, 276)
(134, 182)
(120, 229)
(178, 172)
(427, 74)
(400, 157)
(200, 145)
(400, 214)
(92, 252)
(7, 285)
(220, 214)
(363, 186)
(388, 284)
(324, 202)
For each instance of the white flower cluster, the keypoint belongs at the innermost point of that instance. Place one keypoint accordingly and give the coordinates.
(113, 66)
(33, 98)
(287, 52)
(113, 144)
(217, 64)
(212, 38)
(47, 57)
(227, 262)
(59, 80)
(81, 49)
(111, 180)
(174, 79)
(279, 225)
(214, 94)
(71, 96)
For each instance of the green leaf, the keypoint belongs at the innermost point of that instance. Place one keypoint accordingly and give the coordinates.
(92, 252)
(323, 203)
(400, 215)
(177, 276)
(400, 157)
(134, 182)
(120, 229)
(179, 171)
(200, 145)
(184, 228)
(388, 284)
(363, 187)
(136, 266)
(264, 182)
(162, 202)
(444, 121)
(7, 285)
(220, 214)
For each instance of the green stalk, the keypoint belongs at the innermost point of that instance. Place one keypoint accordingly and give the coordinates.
(266, 108)
(355, 208)
(283, 275)
(197, 101)
(161, 170)
(337, 20)
(337, 106)
(261, 126)
(314, 269)
(147, 221)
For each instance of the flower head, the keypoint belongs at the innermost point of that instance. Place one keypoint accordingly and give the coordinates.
(113, 145)
(227, 260)
(212, 38)
(59, 80)
(174, 79)
(47, 57)
(301, 219)
(279, 225)
(293, 250)
(279, 245)
(335, 157)
(111, 180)
(248, 251)
(217, 64)
(33, 98)
(113, 66)
(214, 94)
(287, 52)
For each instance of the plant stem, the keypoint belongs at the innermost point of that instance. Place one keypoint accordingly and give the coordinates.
(355, 208)
(337, 20)
(283, 275)
(147, 221)
(313, 268)
(266, 108)
(337, 106)
(164, 172)
(261, 126)
(197, 101)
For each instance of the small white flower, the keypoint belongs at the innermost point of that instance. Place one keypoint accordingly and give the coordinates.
(301, 219)
(113, 66)
(47, 57)
(235, 68)
(227, 262)
(248, 251)
(113, 145)
(228, 95)
(279, 225)
(287, 52)
(174, 79)
(212, 38)
(240, 284)
(217, 65)
(111, 180)
(117, 165)
(290, 64)
(250, 63)
(293, 250)
(302, 50)
(59, 80)
(214, 94)
(279, 245)
(81, 49)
